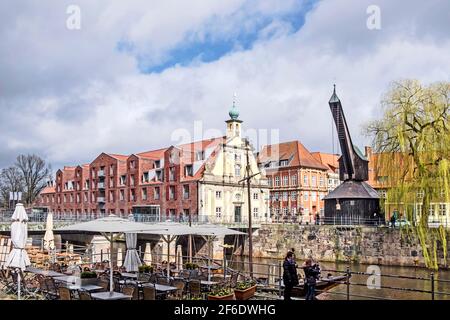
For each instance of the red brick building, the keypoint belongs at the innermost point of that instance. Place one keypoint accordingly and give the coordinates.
(157, 182)
(297, 181)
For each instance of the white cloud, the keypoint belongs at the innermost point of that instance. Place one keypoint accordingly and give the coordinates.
(70, 96)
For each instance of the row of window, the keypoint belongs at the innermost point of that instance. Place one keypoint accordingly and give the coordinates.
(219, 212)
(219, 195)
(284, 196)
(439, 209)
(287, 180)
(171, 195)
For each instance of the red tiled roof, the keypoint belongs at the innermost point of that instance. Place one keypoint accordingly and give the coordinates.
(328, 159)
(189, 149)
(153, 154)
(48, 190)
(119, 157)
(294, 151)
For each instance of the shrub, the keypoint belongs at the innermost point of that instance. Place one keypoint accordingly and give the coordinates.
(88, 275)
(243, 285)
(145, 269)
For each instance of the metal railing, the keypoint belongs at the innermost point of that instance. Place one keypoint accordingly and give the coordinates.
(40, 217)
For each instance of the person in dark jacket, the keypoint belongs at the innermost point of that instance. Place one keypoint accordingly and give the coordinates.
(290, 277)
(312, 272)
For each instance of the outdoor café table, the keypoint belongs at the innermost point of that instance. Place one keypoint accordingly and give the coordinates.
(161, 288)
(110, 296)
(210, 267)
(207, 283)
(67, 279)
(86, 287)
(129, 275)
(45, 273)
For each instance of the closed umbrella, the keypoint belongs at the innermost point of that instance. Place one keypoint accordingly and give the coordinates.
(49, 238)
(132, 260)
(119, 257)
(179, 255)
(148, 254)
(18, 257)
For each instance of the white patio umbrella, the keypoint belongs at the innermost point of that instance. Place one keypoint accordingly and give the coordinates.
(169, 231)
(119, 257)
(18, 258)
(179, 258)
(109, 227)
(132, 260)
(49, 238)
(148, 254)
(209, 233)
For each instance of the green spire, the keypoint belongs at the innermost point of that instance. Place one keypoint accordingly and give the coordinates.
(234, 112)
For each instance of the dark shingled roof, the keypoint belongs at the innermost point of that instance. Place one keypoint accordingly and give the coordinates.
(353, 190)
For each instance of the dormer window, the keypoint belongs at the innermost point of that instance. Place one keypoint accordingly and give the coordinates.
(283, 163)
(199, 155)
(188, 170)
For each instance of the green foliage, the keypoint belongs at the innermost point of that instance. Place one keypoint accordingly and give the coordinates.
(413, 142)
(190, 266)
(88, 275)
(243, 285)
(221, 292)
(145, 269)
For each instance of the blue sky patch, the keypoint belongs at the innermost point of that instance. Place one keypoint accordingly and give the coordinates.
(213, 47)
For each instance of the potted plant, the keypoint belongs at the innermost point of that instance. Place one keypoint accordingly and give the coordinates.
(221, 294)
(244, 290)
(88, 277)
(190, 266)
(145, 269)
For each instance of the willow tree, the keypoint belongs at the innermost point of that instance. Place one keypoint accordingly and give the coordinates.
(412, 138)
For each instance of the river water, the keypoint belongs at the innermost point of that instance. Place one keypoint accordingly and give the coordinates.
(359, 286)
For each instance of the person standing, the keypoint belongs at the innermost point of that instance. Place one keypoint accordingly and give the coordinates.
(290, 277)
(311, 275)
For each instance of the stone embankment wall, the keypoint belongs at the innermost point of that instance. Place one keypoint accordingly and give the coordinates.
(368, 245)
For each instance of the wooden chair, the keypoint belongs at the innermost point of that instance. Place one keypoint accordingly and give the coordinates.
(144, 277)
(185, 274)
(180, 285)
(52, 289)
(64, 293)
(84, 295)
(104, 284)
(195, 288)
(153, 278)
(149, 293)
(162, 280)
(131, 291)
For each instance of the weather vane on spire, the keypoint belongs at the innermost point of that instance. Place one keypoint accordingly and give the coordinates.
(234, 113)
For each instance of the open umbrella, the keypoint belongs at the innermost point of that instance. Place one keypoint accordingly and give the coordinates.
(148, 254)
(18, 257)
(49, 238)
(109, 227)
(132, 260)
(210, 233)
(169, 232)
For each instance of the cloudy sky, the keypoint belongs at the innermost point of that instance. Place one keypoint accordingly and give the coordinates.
(139, 72)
